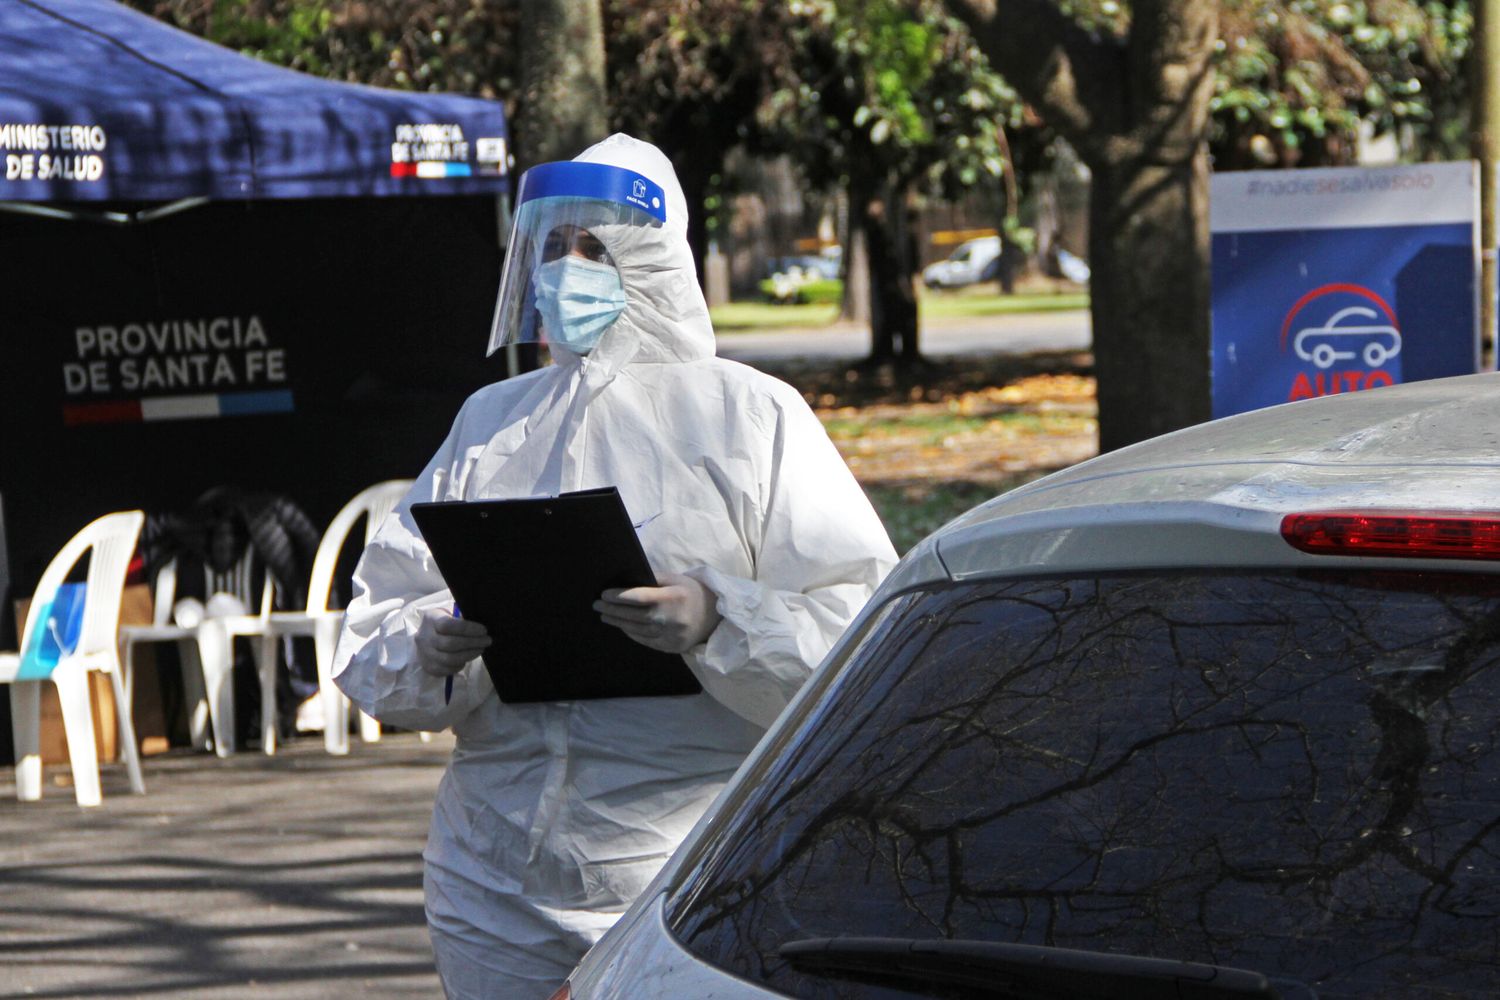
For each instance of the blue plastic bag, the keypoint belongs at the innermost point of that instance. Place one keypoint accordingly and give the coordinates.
(54, 633)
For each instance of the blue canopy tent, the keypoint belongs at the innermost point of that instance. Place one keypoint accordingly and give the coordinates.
(219, 271)
(99, 102)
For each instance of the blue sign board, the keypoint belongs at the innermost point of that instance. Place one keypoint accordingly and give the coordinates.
(1329, 281)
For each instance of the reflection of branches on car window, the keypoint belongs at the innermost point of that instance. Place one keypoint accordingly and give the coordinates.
(874, 809)
(1019, 757)
(1400, 703)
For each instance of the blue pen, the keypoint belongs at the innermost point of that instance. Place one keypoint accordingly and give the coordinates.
(448, 681)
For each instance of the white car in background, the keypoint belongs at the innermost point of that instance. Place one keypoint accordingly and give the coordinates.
(969, 262)
(1217, 715)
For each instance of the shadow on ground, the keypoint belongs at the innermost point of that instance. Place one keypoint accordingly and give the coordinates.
(293, 877)
(835, 384)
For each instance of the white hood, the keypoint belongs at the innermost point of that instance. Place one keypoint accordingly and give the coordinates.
(665, 317)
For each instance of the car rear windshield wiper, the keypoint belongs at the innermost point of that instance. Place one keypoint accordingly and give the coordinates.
(987, 968)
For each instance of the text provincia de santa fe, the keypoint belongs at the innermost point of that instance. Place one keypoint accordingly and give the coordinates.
(444, 143)
(174, 355)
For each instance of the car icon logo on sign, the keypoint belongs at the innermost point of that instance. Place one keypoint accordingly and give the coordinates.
(1321, 344)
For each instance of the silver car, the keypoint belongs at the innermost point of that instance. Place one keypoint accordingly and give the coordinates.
(1217, 715)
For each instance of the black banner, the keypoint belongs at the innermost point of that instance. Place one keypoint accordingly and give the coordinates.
(309, 348)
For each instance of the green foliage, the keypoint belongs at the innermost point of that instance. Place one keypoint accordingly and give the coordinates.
(289, 41)
(1022, 237)
(932, 429)
(828, 291)
(967, 303)
(462, 46)
(1296, 78)
(680, 67)
(688, 75)
(742, 316)
(892, 89)
(912, 512)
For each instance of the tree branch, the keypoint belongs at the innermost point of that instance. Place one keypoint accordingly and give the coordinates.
(1075, 79)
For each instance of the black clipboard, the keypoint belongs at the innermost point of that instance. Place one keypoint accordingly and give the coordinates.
(530, 571)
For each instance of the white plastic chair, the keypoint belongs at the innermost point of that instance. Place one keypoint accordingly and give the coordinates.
(163, 629)
(109, 541)
(322, 622)
(216, 635)
(206, 651)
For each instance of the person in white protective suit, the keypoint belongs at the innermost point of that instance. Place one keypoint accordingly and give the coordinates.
(552, 817)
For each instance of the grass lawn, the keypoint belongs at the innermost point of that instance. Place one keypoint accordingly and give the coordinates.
(934, 429)
(742, 316)
(912, 511)
(928, 444)
(923, 463)
(944, 304)
(764, 316)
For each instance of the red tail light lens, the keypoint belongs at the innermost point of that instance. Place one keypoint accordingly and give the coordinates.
(1419, 536)
(564, 992)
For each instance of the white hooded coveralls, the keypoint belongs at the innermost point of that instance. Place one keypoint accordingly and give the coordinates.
(552, 817)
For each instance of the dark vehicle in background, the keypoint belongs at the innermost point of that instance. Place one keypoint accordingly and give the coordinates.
(1217, 715)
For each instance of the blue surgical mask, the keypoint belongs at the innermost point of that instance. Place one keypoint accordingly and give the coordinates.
(578, 299)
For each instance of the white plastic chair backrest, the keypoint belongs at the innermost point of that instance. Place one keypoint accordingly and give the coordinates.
(373, 504)
(164, 594)
(112, 539)
(235, 581)
(239, 580)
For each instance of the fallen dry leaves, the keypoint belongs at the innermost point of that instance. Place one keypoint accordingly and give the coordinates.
(986, 435)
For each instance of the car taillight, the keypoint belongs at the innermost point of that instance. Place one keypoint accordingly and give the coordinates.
(564, 992)
(1421, 536)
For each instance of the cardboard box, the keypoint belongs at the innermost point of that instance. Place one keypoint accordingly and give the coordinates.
(135, 608)
(106, 726)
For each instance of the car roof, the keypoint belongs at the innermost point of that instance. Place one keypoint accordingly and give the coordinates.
(1215, 494)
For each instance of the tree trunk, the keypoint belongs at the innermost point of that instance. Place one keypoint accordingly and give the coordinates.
(1149, 297)
(1010, 258)
(1136, 109)
(1484, 145)
(854, 264)
(882, 337)
(563, 107)
(893, 299)
(695, 172)
(907, 256)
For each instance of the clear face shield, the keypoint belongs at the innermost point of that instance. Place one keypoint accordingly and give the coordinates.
(560, 284)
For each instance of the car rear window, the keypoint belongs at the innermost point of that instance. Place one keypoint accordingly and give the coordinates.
(1296, 775)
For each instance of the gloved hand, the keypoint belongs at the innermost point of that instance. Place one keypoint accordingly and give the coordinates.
(445, 644)
(673, 617)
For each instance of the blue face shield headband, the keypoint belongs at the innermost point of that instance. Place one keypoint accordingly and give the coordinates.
(557, 202)
(593, 182)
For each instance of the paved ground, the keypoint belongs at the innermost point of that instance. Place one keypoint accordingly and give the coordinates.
(1022, 333)
(296, 877)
